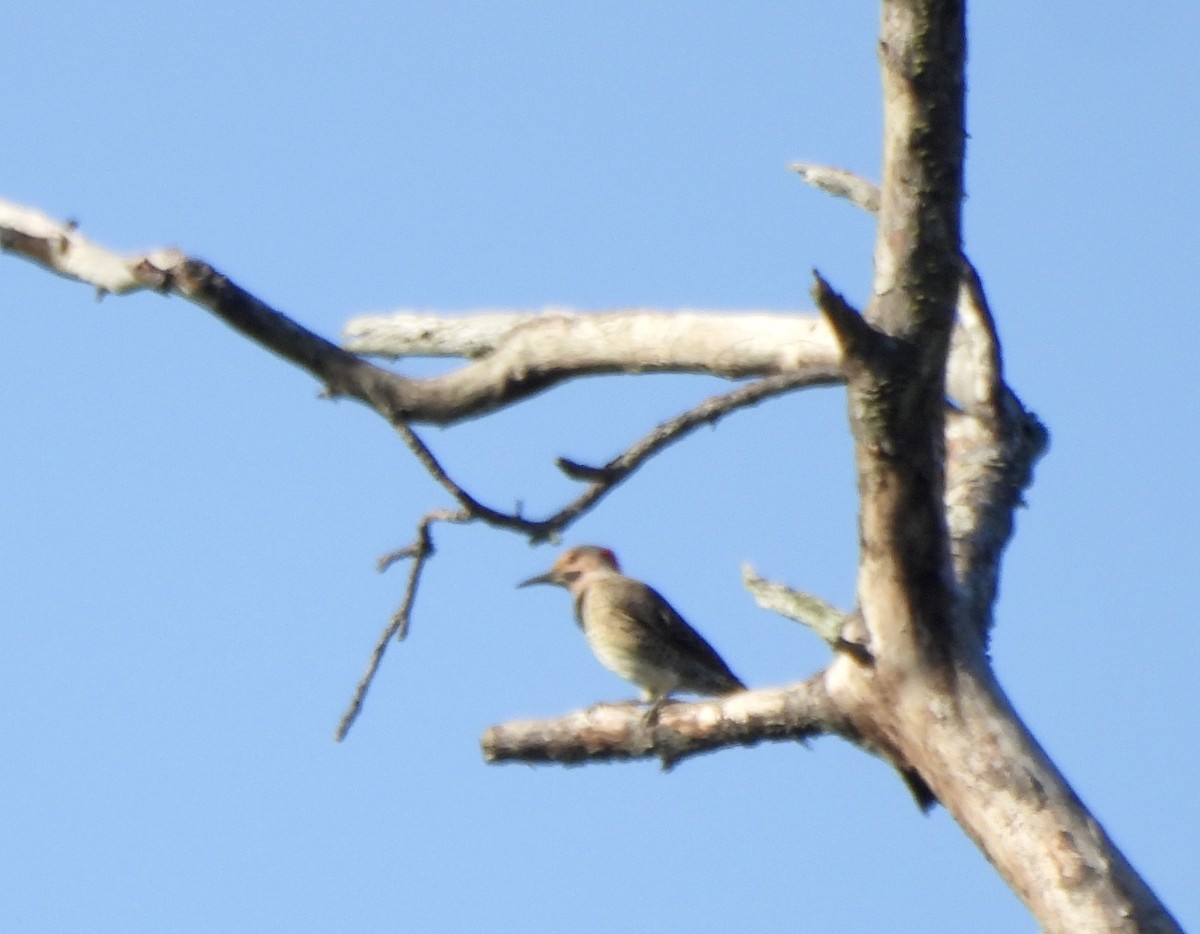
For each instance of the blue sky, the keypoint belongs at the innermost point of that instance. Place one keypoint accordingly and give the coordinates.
(187, 592)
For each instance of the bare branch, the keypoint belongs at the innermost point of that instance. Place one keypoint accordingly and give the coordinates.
(931, 691)
(536, 353)
(610, 732)
(735, 345)
(602, 480)
(708, 412)
(990, 453)
(854, 335)
(974, 370)
(989, 465)
(896, 389)
(471, 506)
(413, 333)
(59, 247)
(840, 183)
(991, 450)
(512, 370)
(420, 551)
(614, 732)
(822, 617)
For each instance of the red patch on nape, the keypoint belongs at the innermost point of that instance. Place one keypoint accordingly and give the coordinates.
(611, 556)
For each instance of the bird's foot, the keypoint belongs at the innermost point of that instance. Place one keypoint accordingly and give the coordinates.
(650, 717)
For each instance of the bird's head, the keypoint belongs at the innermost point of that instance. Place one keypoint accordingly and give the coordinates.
(576, 566)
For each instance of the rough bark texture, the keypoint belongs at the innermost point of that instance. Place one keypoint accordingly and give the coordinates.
(930, 693)
(910, 680)
(620, 731)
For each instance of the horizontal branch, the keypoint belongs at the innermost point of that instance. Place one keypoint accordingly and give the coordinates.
(616, 732)
(57, 246)
(619, 731)
(634, 340)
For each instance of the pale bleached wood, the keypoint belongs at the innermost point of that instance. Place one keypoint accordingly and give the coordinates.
(938, 490)
(507, 362)
(629, 340)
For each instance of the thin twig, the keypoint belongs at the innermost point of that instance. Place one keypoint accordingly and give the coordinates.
(419, 551)
(469, 503)
(602, 480)
(605, 479)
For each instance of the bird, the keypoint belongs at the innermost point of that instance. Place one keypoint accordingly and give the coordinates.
(634, 632)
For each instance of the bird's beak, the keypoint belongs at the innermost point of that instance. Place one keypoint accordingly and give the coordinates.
(547, 578)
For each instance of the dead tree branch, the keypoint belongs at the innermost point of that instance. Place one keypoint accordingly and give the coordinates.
(734, 345)
(419, 552)
(616, 732)
(840, 183)
(938, 486)
(542, 352)
(931, 690)
(609, 732)
(604, 479)
(991, 442)
(516, 355)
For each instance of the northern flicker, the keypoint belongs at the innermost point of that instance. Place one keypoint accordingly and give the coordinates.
(634, 632)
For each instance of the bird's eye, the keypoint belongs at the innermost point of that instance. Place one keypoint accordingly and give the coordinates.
(570, 575)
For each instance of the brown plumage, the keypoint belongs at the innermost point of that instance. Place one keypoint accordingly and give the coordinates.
(634, 632)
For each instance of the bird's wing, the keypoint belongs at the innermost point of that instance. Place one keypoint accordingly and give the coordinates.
(673, 628)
